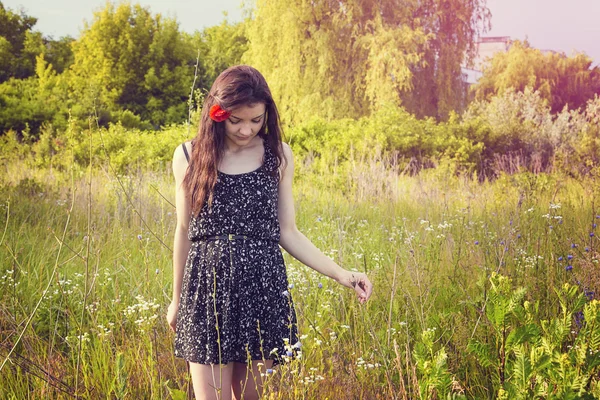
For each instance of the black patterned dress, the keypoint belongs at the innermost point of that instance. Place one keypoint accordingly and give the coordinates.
(235, 303)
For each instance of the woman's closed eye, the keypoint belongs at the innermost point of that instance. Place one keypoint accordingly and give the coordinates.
(254, 121)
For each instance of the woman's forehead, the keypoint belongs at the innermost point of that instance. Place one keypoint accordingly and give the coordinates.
(249, 111)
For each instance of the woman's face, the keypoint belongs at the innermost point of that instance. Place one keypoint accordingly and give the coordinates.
(244, 124)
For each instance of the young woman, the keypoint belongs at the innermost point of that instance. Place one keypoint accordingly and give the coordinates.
(231, 311)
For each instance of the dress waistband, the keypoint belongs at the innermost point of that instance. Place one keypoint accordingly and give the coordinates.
(229, 236)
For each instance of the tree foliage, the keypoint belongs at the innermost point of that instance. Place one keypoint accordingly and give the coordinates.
(453, 27)
(561, 80)
(128, 59)
(221, 46)
(346, 59)
(17, 44)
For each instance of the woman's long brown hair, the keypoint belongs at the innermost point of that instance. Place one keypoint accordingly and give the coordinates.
(235, 87)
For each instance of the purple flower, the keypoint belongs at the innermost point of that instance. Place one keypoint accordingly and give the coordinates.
(560, 221)
(139, 237)
(569, 267)
(597, 216)
(590, 294)
(573, 245)
(476, 242)
(320, 285)
(519, 236)
(289, 353)
(570, 257)
(594, 225)
(587, 249)
(502, 242)
(551, 227)
(591, 234)
(269, 371)
(560, 258)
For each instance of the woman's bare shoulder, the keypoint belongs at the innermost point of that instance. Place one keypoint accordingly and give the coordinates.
(287, 150)
(180, 162)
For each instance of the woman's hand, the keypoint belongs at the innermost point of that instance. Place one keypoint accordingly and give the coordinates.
(172, 314)
(359, 282)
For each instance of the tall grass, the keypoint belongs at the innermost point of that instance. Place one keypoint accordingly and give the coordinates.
(85, 257)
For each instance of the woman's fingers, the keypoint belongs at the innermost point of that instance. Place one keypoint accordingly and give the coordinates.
(363, 287)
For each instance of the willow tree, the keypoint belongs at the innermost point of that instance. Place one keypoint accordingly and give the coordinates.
(337, 58)
(329, 58)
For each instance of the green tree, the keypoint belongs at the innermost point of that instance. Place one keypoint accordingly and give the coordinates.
(28, 104)
(18, 44)
(129, 59)
(561, 80)
(221, 47)
(59, 52)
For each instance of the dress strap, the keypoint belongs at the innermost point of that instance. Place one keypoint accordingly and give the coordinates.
(187, 155)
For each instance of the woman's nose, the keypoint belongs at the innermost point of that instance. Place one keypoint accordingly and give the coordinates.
(245, 129)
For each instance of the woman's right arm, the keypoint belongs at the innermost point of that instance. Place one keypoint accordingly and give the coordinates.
(181, 243)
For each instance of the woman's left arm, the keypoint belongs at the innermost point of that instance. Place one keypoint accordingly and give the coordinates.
(298, 245)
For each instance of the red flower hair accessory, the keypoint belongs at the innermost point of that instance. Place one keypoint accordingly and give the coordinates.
(217, 114)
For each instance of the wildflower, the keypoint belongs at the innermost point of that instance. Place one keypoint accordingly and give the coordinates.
(591, 234)
(291, 286)
(569, 267)
(587, 249)
(519, 236)
(289, 353)
(476, 242)
(589, 294)
(139, 237)
(560, 258)
(570, 257)
(573, 245)
(320, 285)
(594, 225)
(269, 371)
(551, 227)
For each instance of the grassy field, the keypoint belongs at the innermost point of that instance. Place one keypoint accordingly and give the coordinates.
(482, 290)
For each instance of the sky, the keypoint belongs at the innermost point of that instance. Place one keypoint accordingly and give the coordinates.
(565, 26)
